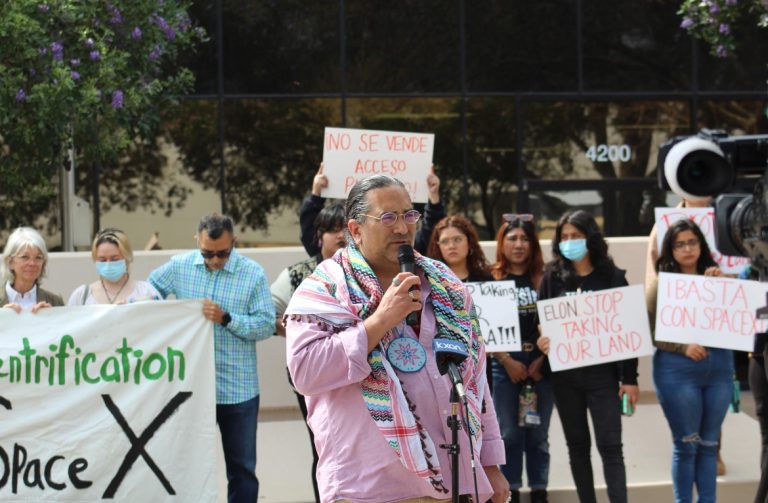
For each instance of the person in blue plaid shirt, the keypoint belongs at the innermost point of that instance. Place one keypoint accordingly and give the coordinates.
(238, 301)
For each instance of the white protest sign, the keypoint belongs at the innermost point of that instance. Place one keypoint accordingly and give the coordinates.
(596, 327)
(705, 219)
(108, 402)
(709, 310)
(496, 306)
(349, 155)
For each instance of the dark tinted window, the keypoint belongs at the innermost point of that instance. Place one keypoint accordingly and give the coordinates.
(526, 45)
(288, 46)
(742, 71)
(635, 46)
(404, 46)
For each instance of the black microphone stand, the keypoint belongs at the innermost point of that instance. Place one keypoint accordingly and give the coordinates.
(453, 447)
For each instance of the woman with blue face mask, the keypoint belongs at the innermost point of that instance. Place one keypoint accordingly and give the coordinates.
(581, 264)
(111, 252)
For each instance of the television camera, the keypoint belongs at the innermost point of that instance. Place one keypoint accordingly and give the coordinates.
(712, 163)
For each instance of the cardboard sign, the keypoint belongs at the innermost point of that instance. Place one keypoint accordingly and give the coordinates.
(108, 402)
(711, 311)
(705, 219)
(596, 327)
(496, 305)
(350, 155)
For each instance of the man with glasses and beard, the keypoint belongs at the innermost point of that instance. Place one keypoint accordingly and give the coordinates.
(237, 300)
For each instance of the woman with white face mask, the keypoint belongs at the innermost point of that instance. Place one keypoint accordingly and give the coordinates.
(112, 254)
(581, 263)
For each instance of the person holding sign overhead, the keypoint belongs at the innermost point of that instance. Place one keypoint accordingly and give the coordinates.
(693, 383)
(519, 258)
(581, 264)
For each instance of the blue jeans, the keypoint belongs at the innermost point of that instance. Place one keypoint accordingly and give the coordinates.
(533, 442)
(237, 423)
(594, 389)
(695, 398)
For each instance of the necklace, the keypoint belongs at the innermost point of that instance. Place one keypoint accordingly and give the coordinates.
(106, 292)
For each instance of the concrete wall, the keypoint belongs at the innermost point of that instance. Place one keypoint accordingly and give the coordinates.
(67, 271)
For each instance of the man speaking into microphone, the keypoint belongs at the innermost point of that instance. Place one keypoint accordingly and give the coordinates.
(377, 402)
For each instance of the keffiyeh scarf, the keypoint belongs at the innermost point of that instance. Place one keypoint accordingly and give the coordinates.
(343, 292)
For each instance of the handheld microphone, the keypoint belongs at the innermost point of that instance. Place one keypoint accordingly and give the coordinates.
(449, 354)
(408, 264)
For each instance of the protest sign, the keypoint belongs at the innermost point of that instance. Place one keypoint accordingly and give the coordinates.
(596, 327)
(705, 219)
(709, 310)
(349, 155)
(108, 402)
(496, 305)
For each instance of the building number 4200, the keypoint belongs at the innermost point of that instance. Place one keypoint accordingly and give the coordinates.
(609, 153)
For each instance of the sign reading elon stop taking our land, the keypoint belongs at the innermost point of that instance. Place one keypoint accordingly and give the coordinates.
(108, 403)
(596, 327)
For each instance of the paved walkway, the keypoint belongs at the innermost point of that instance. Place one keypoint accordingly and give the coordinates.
(284, 458)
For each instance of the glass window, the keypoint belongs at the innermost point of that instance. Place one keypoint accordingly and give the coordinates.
(202, 61)
(410, 46)
(526, 45)
(635, 46)
(598, 140)
(736, 117)
(742, 71)
(284, 47)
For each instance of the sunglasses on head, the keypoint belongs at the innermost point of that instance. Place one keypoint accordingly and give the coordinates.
(208, 255)
(517, 217)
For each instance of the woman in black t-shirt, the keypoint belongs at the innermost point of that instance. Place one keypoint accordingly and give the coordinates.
(581, 264)
(519, 258)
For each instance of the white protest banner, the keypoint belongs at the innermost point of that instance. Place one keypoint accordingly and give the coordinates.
(496, 306)
(596, 327)
(709, 310)
(349, 155)
(705, 219)
(108, 403)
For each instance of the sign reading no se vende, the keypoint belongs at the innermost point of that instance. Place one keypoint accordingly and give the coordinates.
(709, 310)
(496, 306)
(349, 155)
(595, 327)
(705, 219)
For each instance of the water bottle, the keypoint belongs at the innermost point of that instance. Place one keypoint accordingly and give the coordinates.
(528, 415)
(626, 406)
(736, 396)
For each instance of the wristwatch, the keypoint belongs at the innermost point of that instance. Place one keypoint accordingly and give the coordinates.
(226, 320)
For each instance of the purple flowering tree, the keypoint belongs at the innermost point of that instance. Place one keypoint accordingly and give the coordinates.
(712, 21)
(94, 73)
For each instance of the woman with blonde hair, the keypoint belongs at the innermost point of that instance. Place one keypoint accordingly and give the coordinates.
(112, 254)
(25, 258)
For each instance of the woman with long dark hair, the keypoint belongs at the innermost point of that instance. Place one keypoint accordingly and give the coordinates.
(693, 383)
(519, 258)
(581, 264)
(455, 243)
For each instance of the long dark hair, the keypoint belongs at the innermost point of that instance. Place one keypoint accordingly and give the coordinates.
(535, 266)
(666, 261)
(477, 264)
(596, 247)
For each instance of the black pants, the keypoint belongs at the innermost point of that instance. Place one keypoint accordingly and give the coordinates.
(758, 383)
(595, 389)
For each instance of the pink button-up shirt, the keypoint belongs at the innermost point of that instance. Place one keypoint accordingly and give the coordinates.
(356, 463)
